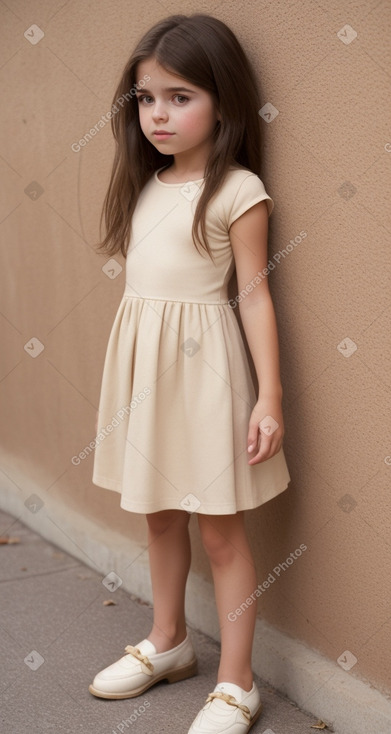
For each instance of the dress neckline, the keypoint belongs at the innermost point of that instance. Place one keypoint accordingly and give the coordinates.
(163, 183)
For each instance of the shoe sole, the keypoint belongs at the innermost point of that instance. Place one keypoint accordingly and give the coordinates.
(172, 676)
(256, 715)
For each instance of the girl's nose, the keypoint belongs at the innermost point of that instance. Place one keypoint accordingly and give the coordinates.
(159, 111)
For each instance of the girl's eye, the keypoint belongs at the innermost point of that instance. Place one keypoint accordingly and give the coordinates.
(142, 97)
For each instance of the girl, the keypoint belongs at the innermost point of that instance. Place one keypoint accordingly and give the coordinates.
(180, 428)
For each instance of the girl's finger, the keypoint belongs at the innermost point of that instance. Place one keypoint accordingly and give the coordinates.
(252, 439)
(267, 449)
(262, 450)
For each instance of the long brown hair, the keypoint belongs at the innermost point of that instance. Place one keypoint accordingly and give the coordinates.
(205, 52)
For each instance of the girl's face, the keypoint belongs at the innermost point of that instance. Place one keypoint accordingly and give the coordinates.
(169, 103)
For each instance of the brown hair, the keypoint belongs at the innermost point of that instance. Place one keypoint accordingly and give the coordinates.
(205, 52)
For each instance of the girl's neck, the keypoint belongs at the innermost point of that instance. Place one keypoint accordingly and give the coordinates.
(175, 174)
(178, 175)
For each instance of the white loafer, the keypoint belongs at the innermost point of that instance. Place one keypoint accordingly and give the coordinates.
(142, 667)
(228, 710)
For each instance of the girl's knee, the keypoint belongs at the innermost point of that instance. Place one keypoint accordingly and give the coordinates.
(219, 542)
(159, 522)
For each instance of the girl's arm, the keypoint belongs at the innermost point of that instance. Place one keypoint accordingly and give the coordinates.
(248, 235)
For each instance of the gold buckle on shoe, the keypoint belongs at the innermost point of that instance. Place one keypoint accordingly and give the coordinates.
(146, 664)
(232, 702)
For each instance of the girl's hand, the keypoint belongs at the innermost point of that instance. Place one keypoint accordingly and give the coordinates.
(266, 440)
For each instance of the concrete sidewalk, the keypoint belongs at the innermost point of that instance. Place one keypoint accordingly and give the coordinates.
(57, 633)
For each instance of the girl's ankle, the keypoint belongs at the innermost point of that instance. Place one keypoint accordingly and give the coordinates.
(245, 682)
(164, 643)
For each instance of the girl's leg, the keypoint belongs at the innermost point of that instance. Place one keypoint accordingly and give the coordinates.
(169, 557)
(225, 541)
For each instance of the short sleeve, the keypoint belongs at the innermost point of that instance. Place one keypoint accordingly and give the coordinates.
(250, 192)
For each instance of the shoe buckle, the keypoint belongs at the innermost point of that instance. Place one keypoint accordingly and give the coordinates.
(146, 664)
(232, 702)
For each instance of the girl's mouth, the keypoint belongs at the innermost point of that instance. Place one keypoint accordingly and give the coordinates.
(162, 135)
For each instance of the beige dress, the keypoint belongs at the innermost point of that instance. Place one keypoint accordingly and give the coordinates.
(177, 392)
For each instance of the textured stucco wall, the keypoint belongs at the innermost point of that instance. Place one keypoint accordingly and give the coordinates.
(326, 161)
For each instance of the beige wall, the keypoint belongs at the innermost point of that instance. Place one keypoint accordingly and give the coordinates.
(326, 164)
